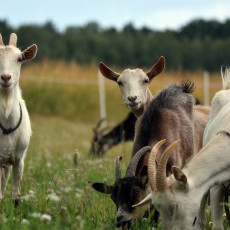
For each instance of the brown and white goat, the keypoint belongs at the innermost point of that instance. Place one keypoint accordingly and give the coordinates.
(170, 115)
(15, 128)
(133, 84)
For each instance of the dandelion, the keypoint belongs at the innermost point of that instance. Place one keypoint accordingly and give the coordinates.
(25, 222)
(45, 218)
(53, 197)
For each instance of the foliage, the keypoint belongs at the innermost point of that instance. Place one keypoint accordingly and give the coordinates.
(198, 45)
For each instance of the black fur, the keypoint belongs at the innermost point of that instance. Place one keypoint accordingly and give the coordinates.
(124, 131)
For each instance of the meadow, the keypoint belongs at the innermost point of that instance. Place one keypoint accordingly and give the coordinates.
(63, 102)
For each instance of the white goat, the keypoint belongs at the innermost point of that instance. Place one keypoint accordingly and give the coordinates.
(15, 128)
(218, 122)
(133, 84)
(179, 196)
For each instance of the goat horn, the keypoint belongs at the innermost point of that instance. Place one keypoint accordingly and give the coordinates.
(131, 170)
(118, 168)
(152, 164)
(13, 39)
(161, 182)
(146, 200)
(1, 41)
(95, 129)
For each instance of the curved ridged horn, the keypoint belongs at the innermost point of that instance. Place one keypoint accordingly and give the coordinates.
(161, 182)
(1, 41)
(131, 170)
(152, 164)
(13, 39)
(118, 168)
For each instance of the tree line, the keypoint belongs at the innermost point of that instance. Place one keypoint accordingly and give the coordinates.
(200, 44)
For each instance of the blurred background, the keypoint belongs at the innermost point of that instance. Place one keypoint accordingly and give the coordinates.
(74, 36)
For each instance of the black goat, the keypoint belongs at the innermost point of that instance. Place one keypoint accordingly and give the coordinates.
(124, 131)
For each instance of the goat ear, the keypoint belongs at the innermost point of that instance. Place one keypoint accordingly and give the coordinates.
(107, 72)
(29, 53)
(101, 187)
(157, 68)
(179, 175)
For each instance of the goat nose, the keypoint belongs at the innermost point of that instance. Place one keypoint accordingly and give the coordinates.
(5, 77)
(119, 218)
(132, 98)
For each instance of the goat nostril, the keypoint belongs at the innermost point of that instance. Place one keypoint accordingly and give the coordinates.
(5, 78)
(119, 218)
(132, 98)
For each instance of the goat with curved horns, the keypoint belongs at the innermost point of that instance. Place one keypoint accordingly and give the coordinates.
(178, 197)
(15, 128)
(133, 84)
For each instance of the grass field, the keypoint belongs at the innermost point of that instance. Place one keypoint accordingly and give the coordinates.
(58, 166)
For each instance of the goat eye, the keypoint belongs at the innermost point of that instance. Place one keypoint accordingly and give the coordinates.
(146, 81)
(137, 190)
(119, 83)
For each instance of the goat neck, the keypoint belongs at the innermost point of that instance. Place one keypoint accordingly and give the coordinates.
(9, 103)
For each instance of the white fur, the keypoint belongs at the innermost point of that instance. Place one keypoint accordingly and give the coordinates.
(218, 121)
(179, 205)
(134, 83)
(13, 146)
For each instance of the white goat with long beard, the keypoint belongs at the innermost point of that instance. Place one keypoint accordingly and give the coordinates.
(15, 127)
(179, 196)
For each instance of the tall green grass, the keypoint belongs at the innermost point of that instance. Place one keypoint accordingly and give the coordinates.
(62, 118)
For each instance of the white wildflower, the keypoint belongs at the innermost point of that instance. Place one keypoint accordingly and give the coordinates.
(28, 197)
(48, 164)
(31, 192)
(79, 192)
(67, 189)
(35, 214)
(53, 197)
(25, 222)
(63, 208)
(45, 218)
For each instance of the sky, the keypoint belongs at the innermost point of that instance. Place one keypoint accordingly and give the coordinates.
(155, 14)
